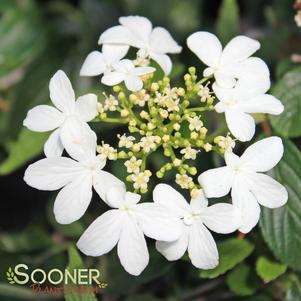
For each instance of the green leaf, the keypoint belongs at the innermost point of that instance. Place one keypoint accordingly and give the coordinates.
(293, 294)
(227, 25)
(288, 90)
(25, 38)
(269, 270)
(26, 147)
(29, 240)
(281, 227)
(231, 252)
(242, 281)
(75, 262)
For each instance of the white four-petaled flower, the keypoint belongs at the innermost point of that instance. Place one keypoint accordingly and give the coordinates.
(138, 32)
(126, 71)
(98, 63)
(126, 225)
(225, 64)
(44, 118)
(75, 176)
(237, 104)
(195, 218)
(249, 186)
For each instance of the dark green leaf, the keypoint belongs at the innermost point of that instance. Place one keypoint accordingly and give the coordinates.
(281, 227)
(242, 281)
(227, 26)
(231, 252)
(26, 147)
(75, 262)
(30, 239)
(288, 90)
(269, 270)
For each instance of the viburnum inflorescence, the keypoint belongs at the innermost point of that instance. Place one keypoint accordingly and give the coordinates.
(160, 117)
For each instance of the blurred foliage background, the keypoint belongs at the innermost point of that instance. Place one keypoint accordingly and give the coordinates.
(37, 37)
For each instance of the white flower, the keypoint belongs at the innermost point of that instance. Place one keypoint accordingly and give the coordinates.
(141, 58)
(189, 153)
(148, 143)
(125, 141)
(126, 225)
(196, 217)
(111, 103)
(98, 63)
(75, 176)
(141, 179)
(204, 93)
(249, 185)
(195, 123)
(126, 71)
(107, 152)
(237, 104)
(226, 143)
(229, 63)
(137, 31)
(44, 118)
(183, 181)
(133, 165)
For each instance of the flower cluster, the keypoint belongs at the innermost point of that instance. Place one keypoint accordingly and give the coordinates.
(159, 117)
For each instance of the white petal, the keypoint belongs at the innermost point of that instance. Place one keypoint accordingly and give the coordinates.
(141, 27)
(245, 202)
(263, 155)
(157, 222)
(253, 78)
(61, 92)
(240, 124)
(231, 159)
(104, 181)
(113, 78)
(132, 248)
(119, 35)
(161, 41)
(239, 49)
(163, 61)
(267, 191)
(224, 79)
(94, 64)
(124, 66)
(53, 147)
(167, 196)
(206, 46)
(132, 198)
(174, 250)
(216, 182)
(221, 218)
(114, 196)
(199, 203)
(143, 70)
(114, 53)
(79, 140)
(102, 235)
(52, 173)
(223, 94)
(86, 107)
(73, 200)
(133, 83)
(202, 249)
(264, 103)
(43, 118)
